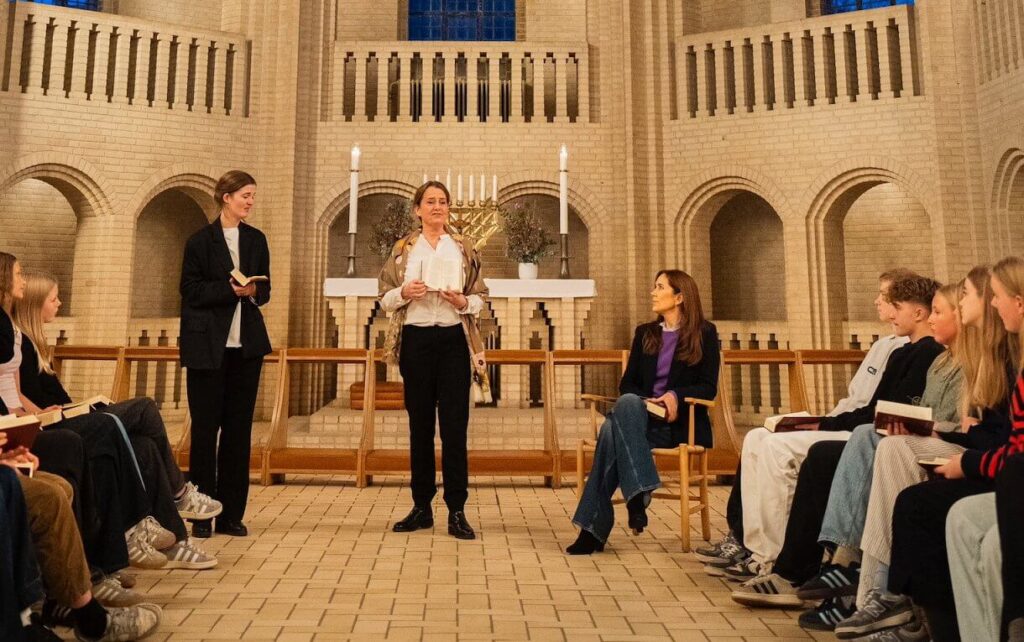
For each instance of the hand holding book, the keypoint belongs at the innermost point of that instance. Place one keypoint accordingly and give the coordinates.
(665, 407)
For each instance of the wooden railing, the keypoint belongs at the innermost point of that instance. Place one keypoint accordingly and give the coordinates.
(276, 458)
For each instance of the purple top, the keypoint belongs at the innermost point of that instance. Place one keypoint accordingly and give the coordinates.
(669, 339)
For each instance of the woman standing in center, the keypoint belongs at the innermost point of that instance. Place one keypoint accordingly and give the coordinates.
(672, 358)
(436, 343)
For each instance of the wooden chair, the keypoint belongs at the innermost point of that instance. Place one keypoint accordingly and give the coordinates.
(683, 455)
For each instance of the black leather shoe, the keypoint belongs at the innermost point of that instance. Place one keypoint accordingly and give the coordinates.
(202, 528)
(416, 519)
(459, 527)
(585, 544)
(231, 527)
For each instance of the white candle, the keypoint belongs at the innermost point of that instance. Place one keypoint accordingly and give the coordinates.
(483, 191)
(458, 192)
(563, 191)
(353, 191)
(494, 187)
(437, 177)
(355, 157)
(424, 178)
(448, 181)
(471, 193)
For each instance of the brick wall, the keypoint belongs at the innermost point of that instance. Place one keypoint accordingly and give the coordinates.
(204, 15)
(160, 234)
(50, 246)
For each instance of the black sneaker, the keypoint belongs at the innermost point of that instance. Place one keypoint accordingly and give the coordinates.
(832, 581)
(828, 614)
(716, 567)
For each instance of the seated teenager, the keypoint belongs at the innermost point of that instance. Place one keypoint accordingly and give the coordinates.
(672, 358)
(903, 382)
(57, 547)
(730, 550)
(918, 575)
(976, 556)
(114, 477)
(831, 474)
(769, 462)
(170, 497)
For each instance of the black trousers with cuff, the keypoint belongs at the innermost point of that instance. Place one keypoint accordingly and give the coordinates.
(434, 363)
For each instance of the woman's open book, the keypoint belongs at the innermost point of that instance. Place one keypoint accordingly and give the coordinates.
(20, 431)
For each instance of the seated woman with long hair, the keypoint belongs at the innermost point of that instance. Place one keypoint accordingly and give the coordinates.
(673, 357)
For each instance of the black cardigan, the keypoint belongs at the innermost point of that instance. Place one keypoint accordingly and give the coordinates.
(208, 302)
(699, 380)
(42, 388)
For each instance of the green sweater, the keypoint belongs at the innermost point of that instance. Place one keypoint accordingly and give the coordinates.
(942, 393)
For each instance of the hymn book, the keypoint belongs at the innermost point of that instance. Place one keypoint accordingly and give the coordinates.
(85, 407)
(656, 409)
(792, 422)
(244, 280)
(916, 419)
(20, 431)
(442, 274)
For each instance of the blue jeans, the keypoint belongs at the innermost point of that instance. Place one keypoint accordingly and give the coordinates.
(851, 487)
(622, 459)
(20, 582)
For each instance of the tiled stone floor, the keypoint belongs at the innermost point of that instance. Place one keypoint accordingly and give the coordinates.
(321, 563)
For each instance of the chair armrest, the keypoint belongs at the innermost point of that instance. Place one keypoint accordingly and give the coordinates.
(597, 398)
(694, 401)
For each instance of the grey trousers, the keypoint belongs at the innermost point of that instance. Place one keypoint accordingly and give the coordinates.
(975, 566)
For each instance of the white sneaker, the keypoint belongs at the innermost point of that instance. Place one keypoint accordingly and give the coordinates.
(126, 624)
(186, 554)
(150, 531)
(196, 505)
(141, 553)
(109, 592)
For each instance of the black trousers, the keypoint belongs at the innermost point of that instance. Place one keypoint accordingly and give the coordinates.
(1010, 514)
(435, 368)
(119, 499)
(800, 558)
(21, 584)
(734, 507)
(163, 478)
(222, 402)
(919, 566)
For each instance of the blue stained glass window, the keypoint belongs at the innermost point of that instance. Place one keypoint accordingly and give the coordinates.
(91, 5)
(462, 20)
(842, 6)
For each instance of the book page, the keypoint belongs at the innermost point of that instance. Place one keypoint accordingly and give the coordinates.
(442, 274)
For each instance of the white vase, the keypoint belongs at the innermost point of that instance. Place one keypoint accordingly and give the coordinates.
(527, 270)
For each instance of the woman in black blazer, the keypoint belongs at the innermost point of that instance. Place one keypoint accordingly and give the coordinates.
(674, 357)
(223, 342)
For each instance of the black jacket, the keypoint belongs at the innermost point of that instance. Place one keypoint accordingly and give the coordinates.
(903, 381)
(208, 302)
(42, 388)
(699, 380)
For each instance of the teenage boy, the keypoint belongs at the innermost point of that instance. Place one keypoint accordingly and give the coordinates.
(766, 477)
(774, 582)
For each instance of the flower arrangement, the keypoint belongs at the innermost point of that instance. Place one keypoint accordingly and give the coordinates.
(525, 240)
(396, 222)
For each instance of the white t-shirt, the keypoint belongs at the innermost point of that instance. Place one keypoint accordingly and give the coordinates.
(431, 310)
(862, 386)
(8, 372)
(235, 332)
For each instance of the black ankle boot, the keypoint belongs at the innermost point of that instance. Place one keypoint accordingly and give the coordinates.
(585, 544)
(637, 508)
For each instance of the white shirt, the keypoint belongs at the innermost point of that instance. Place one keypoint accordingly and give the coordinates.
(8, 371)
(863, 384)
(431, 310)
(235, 332)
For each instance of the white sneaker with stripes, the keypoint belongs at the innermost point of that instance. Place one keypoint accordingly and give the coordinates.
(196, 505)
(186, 554)
(150, 531)
(141, 553)
(767, 590)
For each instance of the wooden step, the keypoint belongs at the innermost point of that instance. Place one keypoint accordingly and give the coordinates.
(388, 395)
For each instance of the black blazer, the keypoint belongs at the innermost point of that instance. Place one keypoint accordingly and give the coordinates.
(699, 380)
(208, 302)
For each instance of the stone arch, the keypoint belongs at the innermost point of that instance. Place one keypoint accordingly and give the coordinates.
(78, 180)
(1008, 203)
(698, 206)
(829, 201)
(580, 197)
(196, 182)
(69, 194)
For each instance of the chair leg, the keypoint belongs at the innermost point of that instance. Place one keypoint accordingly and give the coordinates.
(705, 509)
(684, 498)
(579, 469)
